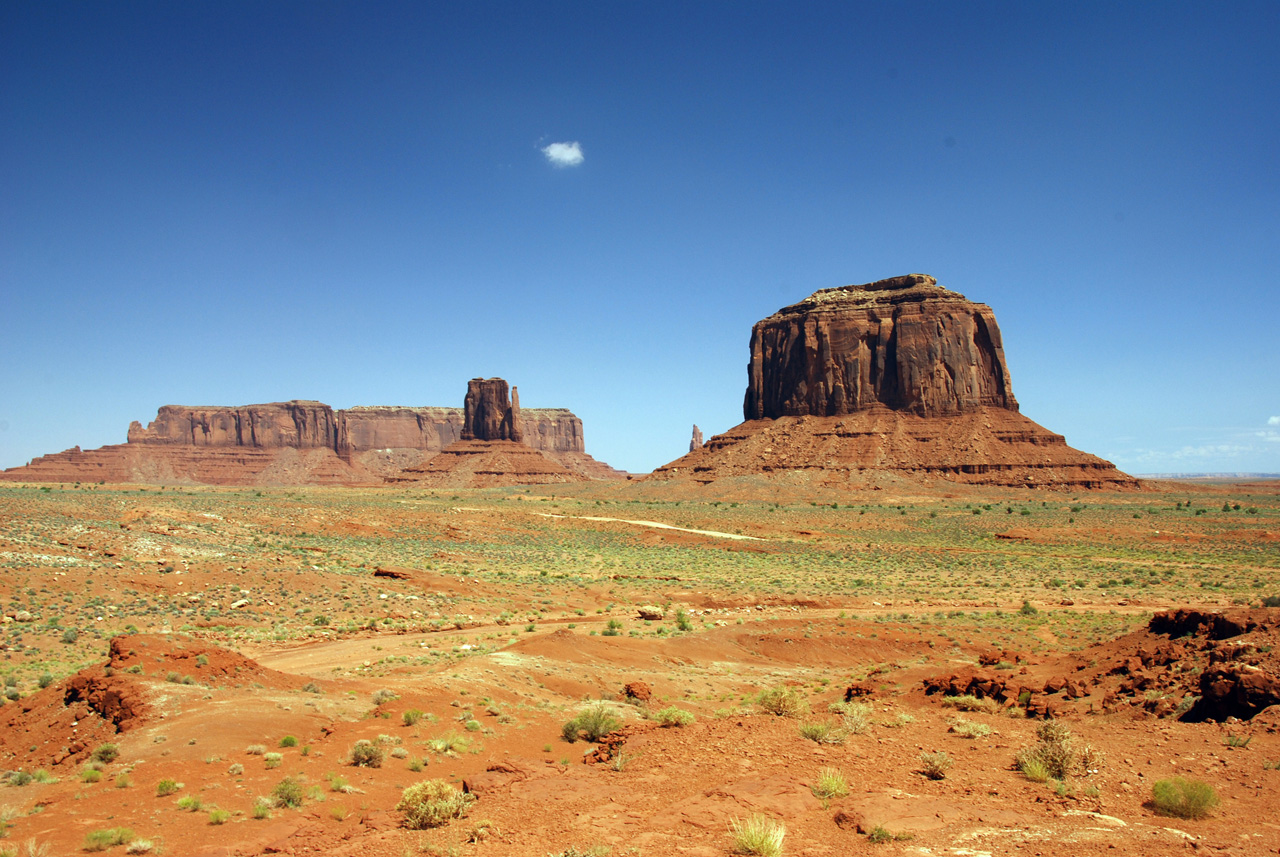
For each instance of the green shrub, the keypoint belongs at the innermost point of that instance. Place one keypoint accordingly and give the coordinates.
(968, 702)
(854, 716)
(219, 816)
(1034, 770)
(879, 835)
(272, 760)
(90, 775)
(935, 765)
(166, 787)
(672, 716)
(591, 724)
(105, 753)
(969, 728)
(412, 716)
(1182, 798)
(432, 803)
(830, 783)
(757, 835)
(101, 840)
(1056, 753)
(288, 792)
(822, 732)
(366, 754)
(288, 741)
(782, 701)
(189, 803)
(449, 744)
(384, 695)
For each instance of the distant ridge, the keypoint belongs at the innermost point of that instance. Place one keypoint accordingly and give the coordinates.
(1208, 475)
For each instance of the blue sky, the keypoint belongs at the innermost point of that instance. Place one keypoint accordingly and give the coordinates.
(228, 203)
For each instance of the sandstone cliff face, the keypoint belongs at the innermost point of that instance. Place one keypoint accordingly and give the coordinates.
(297, 442)
(894, 378)
(488, 412)
(903, 343)
(279, 425)
(373, 428)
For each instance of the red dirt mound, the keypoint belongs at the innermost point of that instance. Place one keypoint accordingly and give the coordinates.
(1194, 665)
(64, 722)
(176, 658)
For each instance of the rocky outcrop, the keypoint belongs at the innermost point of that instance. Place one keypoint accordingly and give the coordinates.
(894, 378)
(489, 412)
(490, 451)
(487, 464)
(991, 446)
(695, 442)
(904, 343)
(299, 443)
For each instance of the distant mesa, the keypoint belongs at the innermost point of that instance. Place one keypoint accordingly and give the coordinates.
(898, 377)
(490, 451)
(905, 344)
(303, 443)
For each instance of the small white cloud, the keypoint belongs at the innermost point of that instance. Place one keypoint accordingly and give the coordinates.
(564, 154)
(1274, 421)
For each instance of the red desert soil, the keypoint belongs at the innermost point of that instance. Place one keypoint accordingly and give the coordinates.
(667, 790)
(445, 636)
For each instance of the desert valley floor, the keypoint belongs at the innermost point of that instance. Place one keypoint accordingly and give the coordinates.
(232, 646)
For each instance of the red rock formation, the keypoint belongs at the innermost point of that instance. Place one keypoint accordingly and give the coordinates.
(992, 446)
(490, 451)
(485, 464)
(488, 413)
(695, 442)
(280, 425)
(297, 443)
(903, 343)
(896, 377)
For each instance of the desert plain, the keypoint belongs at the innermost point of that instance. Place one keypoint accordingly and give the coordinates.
(862, 669)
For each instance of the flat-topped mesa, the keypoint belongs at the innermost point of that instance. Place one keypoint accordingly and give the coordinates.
(489, 413)
(894, 379)
(276, 425)
(904, 343)
(301, 442)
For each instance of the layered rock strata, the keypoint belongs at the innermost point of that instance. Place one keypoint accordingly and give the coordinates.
(899, 376)
(904, 343)
(486, 464)
(297, 442)
(490, 452)
(489, 413)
